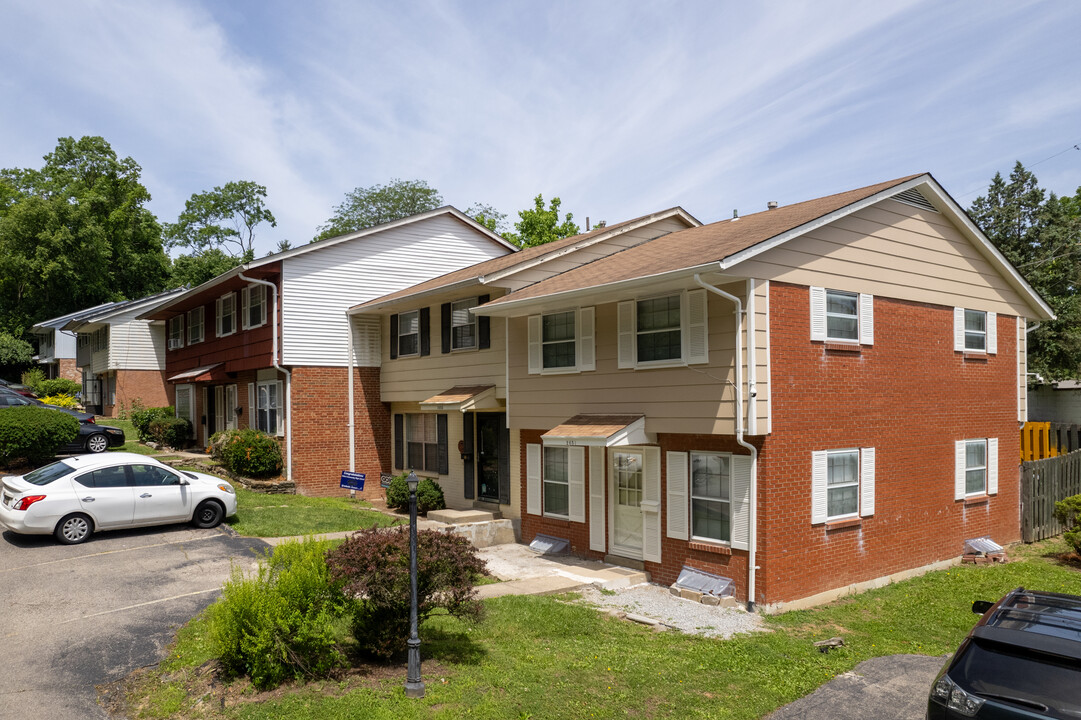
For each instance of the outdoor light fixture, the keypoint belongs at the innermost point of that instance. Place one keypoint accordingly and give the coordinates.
(414, 686)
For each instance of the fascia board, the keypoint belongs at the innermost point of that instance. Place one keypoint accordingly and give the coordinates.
(409, 300)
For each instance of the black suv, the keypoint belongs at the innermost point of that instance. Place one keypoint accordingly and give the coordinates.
(1022, 660)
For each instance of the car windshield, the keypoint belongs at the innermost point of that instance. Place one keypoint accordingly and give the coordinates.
(1003, 672)
(45, 475)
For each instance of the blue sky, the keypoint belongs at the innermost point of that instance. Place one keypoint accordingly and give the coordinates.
(619, 108)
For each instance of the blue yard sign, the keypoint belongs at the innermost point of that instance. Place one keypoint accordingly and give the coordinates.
(352, 480)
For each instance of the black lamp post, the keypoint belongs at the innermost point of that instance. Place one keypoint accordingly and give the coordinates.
(414, 686)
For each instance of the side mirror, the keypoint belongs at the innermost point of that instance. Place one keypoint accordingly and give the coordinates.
(184, 481)
(981, 606)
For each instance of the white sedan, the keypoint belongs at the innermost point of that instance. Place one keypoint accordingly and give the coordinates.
(77, 496)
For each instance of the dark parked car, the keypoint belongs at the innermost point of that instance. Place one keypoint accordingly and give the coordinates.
(92, 437)
(16, 387)
(1021, 660)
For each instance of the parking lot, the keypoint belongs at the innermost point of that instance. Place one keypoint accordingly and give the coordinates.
(78, 616)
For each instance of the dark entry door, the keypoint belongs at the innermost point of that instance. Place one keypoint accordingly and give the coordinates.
(489, 428)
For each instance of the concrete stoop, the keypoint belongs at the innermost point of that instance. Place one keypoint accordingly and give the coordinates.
(484, 534)
(526, 573)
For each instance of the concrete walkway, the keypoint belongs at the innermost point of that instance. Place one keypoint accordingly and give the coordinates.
(524, 572)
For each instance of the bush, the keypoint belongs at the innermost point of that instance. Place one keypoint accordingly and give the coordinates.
(1068, 512)
(32, 378)
(172, 431)
(142, 418)
(429, 494)
(64, 401)
(59, 386)
(34, 433)
(373, 565)
(248, 453)
(284, 621)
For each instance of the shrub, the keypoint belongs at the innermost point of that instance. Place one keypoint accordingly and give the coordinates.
(59, 386)
(429, 494)
(282, 622)
(32, 378)
(125, 410)
(34, 433)
(64, 401)
(172, 431)
(142, 418)
(1068, 512)
(373, 565)
(248, 453)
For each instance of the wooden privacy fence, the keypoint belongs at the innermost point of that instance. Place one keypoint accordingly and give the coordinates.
(1041, 440)
(1044, 483)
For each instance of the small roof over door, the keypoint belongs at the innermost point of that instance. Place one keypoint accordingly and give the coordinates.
(463, 398)
(600, 431)
(199, 374)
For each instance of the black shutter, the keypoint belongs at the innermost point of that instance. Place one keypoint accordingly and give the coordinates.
(444, 326)
(467, 441)
(394, 339)
(484, 326)
(504, 463)
(444, 461)
(425, 331)
(399, 441)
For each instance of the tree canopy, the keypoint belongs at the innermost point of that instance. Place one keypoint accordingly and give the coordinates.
(74, 234)
(366, 207)
(194, 270)
(224, 218)
(538, 225)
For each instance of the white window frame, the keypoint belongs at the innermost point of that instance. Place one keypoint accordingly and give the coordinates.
(428, 419)
(977, 468)
(277, 407)
(865, 317)
(989, 333)
(547, 480)
(837, 486)
(398, 339)
(583, 342)
(980, 335)
(176, 332)
(247, 296)
(466, 304)
(221, 314)
(193, 336)
(639, 332)
(692, 497)
(693, 329)
(865, 490)
(855, 316)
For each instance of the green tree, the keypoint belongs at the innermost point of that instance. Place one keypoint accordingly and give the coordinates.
(194, 270)
(489, 217)
(224, 218)
(537, 225)
(15, 354)
(366, 207)
(74, 234)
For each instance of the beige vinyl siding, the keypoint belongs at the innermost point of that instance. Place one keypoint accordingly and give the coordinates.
(697, 399)
(762, 359)
(136, 345)
(894, 250)
(319, 286)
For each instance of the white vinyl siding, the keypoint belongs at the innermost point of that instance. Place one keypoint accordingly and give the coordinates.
(842, 484)
(839, 316)
(136, 345)
(975, 468)
(663, 331)
(562, 342)
(195, 325)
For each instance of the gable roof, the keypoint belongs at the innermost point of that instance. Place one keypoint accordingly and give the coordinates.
(102, 313)
(493, 269)
(58, 323)
(723, 245)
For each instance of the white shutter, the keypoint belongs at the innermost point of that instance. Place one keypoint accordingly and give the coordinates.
(281, 411)
(992, 466)
(535, 357)
(959, 470)
(252, 407)
(867, 319)
(596, 499)
(587, 346)
(741, 502)
(651, 505)
(992, 333)
(867, 481)
(217, 317)
(677, 496)
(626, 334)
(818, 313)
(576, 484)
(819, 470)
(697, 327)
(245, 300)
(533, 478)
(958, 329)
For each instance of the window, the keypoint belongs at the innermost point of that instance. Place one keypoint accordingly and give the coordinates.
(975, 467)
(556, 482)
(112, 477)
(975, 330)
(183, 402)
(557, 340)
(711, 514)
(153, 476)
(408, 333)
(463, 325)
(195, 325)
(842, 316)
(422, 442)
(226, 314)
(268, 407)
(99, 339)
(658, 329)
(254, 302)
(562, 342)
(842, 483)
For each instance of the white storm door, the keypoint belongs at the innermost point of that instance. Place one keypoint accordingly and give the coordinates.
(229, 408)
(626, 481)
(219, 409)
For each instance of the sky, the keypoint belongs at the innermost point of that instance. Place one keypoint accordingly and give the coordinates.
(618, 108)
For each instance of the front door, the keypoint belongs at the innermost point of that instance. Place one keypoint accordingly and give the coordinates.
(626, 494)
(489, 426)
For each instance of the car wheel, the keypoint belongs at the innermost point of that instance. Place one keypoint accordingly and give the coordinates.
(97, 443)
(209, 514)
(74, 529)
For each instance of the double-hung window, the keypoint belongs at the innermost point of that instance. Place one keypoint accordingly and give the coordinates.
(422, 442)
(711, 487)
(463, 325)
(557, 340)
(195, 325)
(556, 482)
(842, 315)
(663, 331)
(562, 342)
(838, 316)
(226, 307)
(176, 332)
(842, 484)
(658, 327)
(974, 331)
(976, 469)
(254, 306)
(408, 339)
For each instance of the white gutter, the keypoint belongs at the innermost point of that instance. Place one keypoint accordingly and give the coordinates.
(1030, 329)
(752, 541)
(279, 368)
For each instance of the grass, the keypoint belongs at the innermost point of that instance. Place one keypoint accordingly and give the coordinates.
(541, 657)
(131, 437)
(260, 515)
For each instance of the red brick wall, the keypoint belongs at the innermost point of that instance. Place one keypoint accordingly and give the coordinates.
(149, 386)
(910, 396)
(320, 429)
(68, 369)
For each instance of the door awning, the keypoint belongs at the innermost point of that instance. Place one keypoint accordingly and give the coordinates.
(463, 398)
(600, 431)
(199, 374)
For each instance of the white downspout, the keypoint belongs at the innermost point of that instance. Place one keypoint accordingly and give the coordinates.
(351, 439)
(279, 368)
(752, 363)
(752, 541)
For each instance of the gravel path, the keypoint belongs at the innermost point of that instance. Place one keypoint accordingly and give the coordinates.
(655, 602)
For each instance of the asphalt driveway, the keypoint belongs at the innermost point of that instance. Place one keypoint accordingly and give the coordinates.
(73, 617)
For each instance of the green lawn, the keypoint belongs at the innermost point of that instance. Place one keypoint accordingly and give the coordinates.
(261, 515)
(540, 657)
(131, 438)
